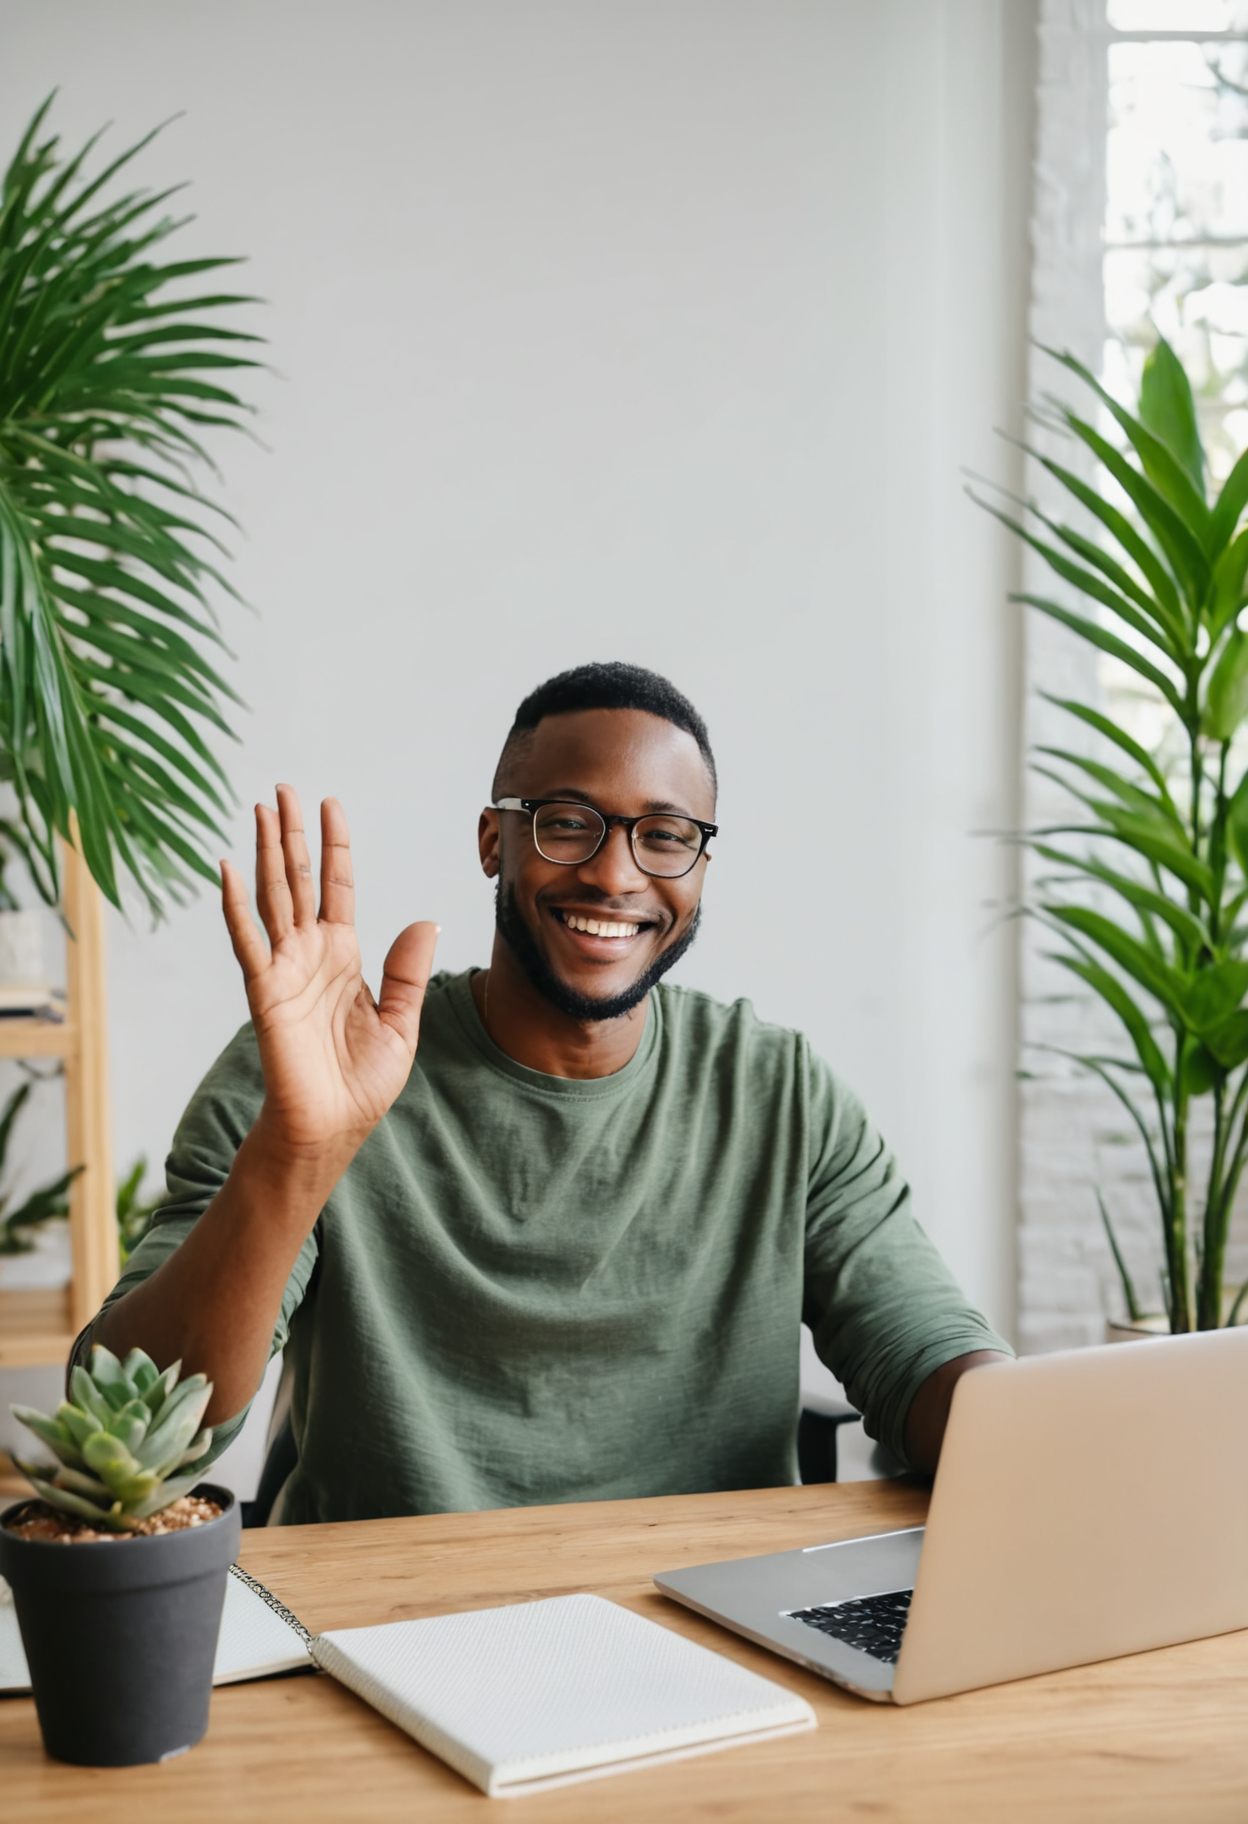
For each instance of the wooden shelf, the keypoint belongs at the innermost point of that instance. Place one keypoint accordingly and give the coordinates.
(25, 1038)
(37, 1328)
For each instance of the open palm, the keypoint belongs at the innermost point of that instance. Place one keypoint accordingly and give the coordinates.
(334, 1059)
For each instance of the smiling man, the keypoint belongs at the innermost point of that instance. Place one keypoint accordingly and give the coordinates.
(545, 1231)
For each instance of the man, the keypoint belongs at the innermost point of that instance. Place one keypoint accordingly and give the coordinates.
(562, 1250)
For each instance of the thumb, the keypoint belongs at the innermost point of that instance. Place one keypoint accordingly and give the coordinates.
(405, 977)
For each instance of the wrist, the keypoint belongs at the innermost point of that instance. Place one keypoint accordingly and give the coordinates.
(292, 1166)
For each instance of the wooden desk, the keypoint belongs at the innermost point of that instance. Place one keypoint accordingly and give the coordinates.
(1162, 1736)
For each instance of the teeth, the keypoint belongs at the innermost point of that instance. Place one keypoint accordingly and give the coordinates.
(599, 927)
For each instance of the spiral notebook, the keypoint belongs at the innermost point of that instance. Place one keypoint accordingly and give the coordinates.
(259, 1637)
(517, 1699)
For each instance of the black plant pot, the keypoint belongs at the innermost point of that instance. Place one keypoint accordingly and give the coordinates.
(121, 1635)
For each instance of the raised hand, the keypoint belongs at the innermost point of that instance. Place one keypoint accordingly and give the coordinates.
(334, 1059)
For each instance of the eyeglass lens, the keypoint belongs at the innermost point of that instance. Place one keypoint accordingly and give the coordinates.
(663, 845)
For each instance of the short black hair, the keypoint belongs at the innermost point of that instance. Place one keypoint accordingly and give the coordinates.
(612, 685)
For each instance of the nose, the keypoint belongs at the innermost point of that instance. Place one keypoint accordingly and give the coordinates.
(613, 869)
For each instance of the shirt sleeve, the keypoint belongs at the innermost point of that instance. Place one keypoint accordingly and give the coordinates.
(217, 1119)
(883, 1307)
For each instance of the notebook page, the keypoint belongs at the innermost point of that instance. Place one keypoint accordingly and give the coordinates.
(542, 1692)
(259, 1635)
(257, 1638)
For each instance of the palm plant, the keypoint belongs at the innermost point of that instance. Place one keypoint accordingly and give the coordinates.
(19, 1227)
(1150, 906)
(112, 366)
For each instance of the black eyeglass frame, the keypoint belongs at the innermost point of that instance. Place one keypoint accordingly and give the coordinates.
(534, 805)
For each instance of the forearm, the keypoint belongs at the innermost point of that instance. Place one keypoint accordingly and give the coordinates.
(214, 1303)
(929, 1409)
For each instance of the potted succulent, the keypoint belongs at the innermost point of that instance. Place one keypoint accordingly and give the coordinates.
(118, 1568)
(1147, 897)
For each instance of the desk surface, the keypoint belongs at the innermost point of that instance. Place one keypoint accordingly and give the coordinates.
(1160, 1736)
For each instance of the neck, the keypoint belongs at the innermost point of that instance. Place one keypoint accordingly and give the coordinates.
(530, 1029)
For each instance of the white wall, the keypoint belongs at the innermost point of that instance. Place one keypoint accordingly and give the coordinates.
(654, 329)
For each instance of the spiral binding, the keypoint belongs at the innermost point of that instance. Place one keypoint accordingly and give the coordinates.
(270, 1601)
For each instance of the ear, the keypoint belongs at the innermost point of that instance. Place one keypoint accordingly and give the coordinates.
(487, 842)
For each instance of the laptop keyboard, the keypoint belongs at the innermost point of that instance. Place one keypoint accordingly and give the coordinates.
(873, 1624)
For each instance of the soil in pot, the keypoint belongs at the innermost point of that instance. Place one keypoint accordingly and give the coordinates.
(48, 1523)
(121, 1633)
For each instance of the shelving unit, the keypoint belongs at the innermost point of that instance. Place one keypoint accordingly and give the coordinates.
(37, 1328)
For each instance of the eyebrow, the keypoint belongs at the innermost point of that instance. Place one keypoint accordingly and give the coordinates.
(575, 794)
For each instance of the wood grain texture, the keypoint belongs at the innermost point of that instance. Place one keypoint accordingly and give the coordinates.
(88, 1112)
(1160, 1737)
(20, 1038)
(37, 1328)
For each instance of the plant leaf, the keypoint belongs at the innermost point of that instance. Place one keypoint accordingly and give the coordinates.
(1166, 472)
(90, 1486)
(106, 378)
(1128, 1290)
(69, 1502)
(1183, 550)
(51, 1432)
(1185, 925)
(1228, 584)
(1228, 1042)
(1112, 992)
(1165, 984)
(1150, 565)
(1119, 736)
(1229, 505)
(1214, 994)
(1097, 635)
(1226, 697)
(1168, 410)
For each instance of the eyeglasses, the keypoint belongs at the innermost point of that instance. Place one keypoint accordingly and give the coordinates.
(663, 844)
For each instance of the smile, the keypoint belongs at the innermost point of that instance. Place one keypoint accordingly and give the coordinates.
(598, 927)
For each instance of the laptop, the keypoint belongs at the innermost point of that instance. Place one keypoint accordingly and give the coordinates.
(1086, 1505)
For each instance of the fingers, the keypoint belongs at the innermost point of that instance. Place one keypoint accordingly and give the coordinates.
(295, 852)
(249, 946)
(337, 879)
(273, 901)
(284, 895)
(406, 976)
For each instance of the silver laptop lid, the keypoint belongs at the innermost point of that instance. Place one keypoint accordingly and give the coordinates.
(1087, 1505)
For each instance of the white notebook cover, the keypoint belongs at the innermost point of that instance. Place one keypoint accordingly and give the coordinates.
(258, 1637)
(539, 1694)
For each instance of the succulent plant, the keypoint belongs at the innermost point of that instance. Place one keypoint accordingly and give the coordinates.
(121, 1440)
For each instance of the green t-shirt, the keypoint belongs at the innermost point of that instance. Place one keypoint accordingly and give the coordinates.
(532, 1289)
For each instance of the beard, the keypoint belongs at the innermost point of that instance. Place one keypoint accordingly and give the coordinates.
(519, 940)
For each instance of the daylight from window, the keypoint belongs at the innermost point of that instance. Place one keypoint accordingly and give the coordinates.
(1176, 229)
(1176, 238)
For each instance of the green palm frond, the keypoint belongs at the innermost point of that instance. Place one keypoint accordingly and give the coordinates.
(113, 364)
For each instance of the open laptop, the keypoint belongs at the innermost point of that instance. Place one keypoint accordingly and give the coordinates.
(1086, 1505)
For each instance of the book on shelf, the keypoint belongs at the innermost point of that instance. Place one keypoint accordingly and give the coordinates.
(38, 1003)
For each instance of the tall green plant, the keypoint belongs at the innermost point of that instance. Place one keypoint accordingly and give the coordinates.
(1163, 845)
(113, 363)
